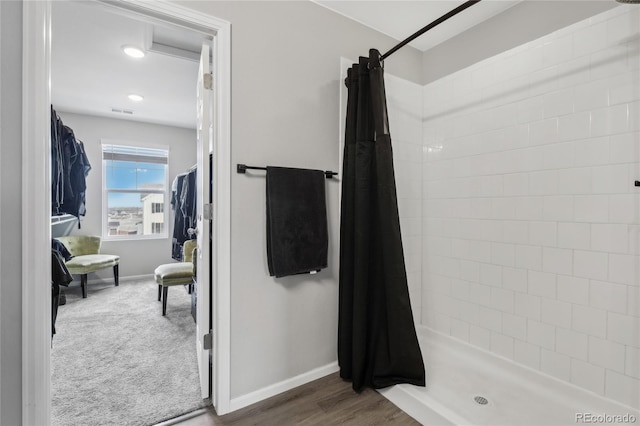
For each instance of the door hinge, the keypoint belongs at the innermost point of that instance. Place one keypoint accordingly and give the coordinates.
(207, 340)
(208, 81)
(208, 211)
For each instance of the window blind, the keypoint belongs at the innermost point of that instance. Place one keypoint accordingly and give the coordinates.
(137, 154)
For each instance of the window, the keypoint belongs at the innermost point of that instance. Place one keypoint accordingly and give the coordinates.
(135, 191)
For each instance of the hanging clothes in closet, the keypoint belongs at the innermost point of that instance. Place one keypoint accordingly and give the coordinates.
(69, 169)
(60, 276)
(183, 204)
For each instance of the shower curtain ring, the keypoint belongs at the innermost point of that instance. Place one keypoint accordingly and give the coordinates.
(376, 58)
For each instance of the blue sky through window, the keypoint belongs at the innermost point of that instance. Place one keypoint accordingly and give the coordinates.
(132, 176)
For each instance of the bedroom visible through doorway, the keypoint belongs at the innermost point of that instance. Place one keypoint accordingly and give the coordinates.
(114, 350)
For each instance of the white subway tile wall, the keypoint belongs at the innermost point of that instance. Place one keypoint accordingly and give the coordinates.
(530, 223)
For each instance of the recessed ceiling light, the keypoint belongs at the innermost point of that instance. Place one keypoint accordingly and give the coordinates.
(133, 51)
(135, 98)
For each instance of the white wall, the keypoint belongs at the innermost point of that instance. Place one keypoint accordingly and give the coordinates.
(137, 257)
(11, 208)
(526, 21)
(285, 99)
(531, 230)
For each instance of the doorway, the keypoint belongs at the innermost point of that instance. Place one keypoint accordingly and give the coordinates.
(36, 324)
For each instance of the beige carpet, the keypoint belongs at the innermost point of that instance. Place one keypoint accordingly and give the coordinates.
(117, 361)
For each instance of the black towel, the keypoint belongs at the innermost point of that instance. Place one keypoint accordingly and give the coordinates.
(297, 236)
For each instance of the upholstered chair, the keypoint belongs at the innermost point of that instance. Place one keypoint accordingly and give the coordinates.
(87, 258)
(177, 273)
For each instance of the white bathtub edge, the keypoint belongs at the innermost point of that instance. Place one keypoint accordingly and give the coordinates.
(539, 378)
(426, 412)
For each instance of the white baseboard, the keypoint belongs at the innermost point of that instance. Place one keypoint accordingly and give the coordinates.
(283, 386)
(121, 279)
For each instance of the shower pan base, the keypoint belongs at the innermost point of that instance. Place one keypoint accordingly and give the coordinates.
(469, 386)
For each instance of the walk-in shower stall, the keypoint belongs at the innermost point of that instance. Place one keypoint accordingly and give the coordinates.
(519, 209)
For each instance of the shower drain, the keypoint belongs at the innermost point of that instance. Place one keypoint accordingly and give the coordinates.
(481, 400)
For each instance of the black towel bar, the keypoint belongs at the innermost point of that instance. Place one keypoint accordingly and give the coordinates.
(242, 168)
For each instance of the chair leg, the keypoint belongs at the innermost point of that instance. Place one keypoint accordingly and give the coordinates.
(83, 285)
(116, 274)
(164, 300)
(159, 292)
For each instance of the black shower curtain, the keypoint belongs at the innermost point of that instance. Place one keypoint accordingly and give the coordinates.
(377, 342)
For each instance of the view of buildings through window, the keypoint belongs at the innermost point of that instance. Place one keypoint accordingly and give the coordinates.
(135, 185)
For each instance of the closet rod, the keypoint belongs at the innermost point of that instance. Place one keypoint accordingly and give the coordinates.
(438, 21)
(242, 168)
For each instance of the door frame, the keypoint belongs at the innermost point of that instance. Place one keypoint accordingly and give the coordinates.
(36, 198)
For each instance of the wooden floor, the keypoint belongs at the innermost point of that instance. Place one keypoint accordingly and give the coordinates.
(327, 401)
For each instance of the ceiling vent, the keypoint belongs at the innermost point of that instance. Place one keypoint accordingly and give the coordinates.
(121, 111)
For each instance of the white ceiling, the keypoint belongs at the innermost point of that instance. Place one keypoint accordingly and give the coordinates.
(400, 19)
(91, 75)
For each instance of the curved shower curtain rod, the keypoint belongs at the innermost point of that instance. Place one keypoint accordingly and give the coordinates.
(423, 30)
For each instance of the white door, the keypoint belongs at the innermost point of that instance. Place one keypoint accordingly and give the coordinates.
(203, 195)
